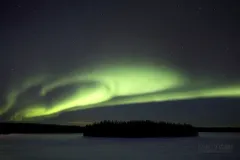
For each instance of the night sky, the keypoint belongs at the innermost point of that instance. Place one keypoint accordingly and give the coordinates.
(73, 62)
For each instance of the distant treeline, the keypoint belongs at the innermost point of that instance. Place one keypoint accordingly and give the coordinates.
(139, 129)
(218, 129)
(31, 128)
(114, 129)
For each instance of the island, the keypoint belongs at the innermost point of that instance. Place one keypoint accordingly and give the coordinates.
(139, 129)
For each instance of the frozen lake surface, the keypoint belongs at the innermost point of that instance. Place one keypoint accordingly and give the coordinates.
(208, 146)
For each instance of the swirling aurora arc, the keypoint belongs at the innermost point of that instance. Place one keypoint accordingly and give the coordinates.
(111, 85)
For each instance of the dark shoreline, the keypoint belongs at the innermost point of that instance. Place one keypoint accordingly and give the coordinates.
(34, 128)
(219, 129)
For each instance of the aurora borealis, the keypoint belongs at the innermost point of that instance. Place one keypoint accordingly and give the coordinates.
(63, 57)
(137, 84)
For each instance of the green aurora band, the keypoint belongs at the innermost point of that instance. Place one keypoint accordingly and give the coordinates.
(111, 85)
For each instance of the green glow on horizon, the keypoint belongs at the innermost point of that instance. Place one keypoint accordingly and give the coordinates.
(134, 83)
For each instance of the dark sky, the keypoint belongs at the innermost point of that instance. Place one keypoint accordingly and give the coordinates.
(56, 37)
